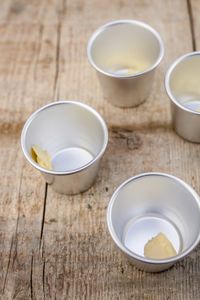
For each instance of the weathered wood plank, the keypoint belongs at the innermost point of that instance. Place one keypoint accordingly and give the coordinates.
(20, 218)
(28, 71)
(30, 12)
(27, 80)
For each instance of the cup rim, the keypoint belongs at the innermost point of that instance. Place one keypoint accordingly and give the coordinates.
(167, 80)
(63, 102)
(118, 22)
(124, 249)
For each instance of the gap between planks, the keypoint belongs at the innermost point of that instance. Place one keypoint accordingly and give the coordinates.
(191, 20)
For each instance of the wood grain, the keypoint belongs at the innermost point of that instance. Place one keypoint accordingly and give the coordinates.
(58, 247)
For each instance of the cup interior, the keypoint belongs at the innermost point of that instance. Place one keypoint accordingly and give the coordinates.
(125, 48)
(184, 84)
(148, 205)
(72, 133)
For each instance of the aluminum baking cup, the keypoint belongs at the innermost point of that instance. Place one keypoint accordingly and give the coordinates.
(182, 83)
(75, 137)
(149, 204)
(125, 54)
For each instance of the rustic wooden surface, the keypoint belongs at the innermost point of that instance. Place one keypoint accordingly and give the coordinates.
(58, 247)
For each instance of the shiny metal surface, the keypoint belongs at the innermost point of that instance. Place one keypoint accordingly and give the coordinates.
(125, 54)
(183, 88)
(75, 136)
(148, 204)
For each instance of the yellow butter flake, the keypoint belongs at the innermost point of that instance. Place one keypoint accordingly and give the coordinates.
(159, 247)
(135, 69)
(41, 156)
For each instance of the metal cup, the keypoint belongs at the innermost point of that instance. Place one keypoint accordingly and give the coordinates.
(150, 203)
(125, 54)
(182, 83)
(75, 136)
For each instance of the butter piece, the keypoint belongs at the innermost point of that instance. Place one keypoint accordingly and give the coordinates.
(135, 69)
(159, 247)
(41, 156)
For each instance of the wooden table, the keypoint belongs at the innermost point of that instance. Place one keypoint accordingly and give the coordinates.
(55, 246)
